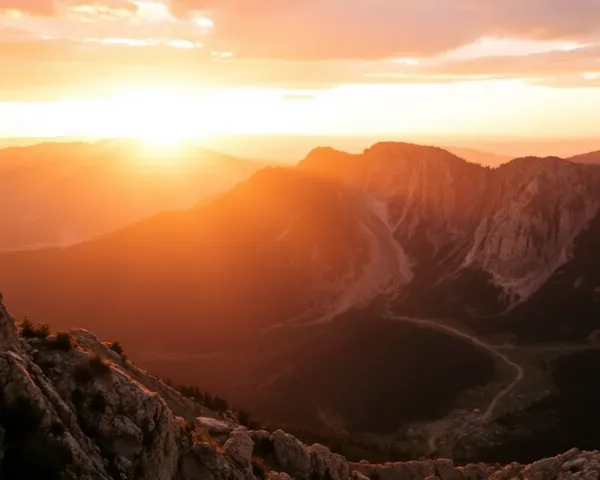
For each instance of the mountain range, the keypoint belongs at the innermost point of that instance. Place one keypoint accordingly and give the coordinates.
(302, 270)
(302, 245)
(56, 194)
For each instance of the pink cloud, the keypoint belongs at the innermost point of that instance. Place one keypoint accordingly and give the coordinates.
(380, 28)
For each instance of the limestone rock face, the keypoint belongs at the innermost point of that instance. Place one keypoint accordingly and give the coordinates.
(291, 454)
(21, 381)
(517, 223)
(180, 406)
(9, 339)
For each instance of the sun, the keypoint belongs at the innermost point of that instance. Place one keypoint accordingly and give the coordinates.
(162, 139)
(161, 119)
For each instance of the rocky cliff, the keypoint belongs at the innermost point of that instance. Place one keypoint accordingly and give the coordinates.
(514, 225)
(71, 407)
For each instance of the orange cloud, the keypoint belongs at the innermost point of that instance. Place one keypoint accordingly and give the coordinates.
(52, 7)
(371, 29)
(32, 7)
(310, 44)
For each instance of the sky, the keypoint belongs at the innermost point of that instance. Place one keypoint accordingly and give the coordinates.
(167, 70)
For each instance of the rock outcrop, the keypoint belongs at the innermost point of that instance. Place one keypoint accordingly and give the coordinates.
(72, 408)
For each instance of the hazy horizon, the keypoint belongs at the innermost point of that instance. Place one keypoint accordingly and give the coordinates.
(293, 148)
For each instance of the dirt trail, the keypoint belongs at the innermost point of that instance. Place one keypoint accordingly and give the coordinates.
(441, 427)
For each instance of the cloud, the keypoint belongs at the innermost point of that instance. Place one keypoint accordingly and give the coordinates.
(48, 67)
(368, 29)
(308, 44)
(32, 7)
(47, 8)
(106, 8)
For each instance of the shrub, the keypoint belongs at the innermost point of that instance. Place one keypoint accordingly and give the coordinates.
(259, 468)
(214, 402)
(29, 330)
(243, 417)
(99, 366)
(220, 404)
(98, 403)
(86, 372)
(192, 392)
(62, 342)
(118, 349)
(189, 430)
(246, 420)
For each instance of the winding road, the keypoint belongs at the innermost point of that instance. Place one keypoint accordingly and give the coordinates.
(440, 427)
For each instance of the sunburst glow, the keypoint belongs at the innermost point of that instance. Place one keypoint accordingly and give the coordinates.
(162, 119)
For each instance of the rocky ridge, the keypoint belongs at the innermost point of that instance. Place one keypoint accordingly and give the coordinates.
(70, 407)
(515, 225)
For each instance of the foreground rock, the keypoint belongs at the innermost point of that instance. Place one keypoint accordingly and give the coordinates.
(71, 408)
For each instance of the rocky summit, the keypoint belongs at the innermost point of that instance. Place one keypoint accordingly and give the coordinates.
(72, 407)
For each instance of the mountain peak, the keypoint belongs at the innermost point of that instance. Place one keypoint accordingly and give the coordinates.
(385, 159)
(532, 165)
(405, 148)
(319, 156)
(592, 158)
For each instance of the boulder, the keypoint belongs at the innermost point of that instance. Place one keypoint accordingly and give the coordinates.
(291, 454)
(203, 461)
(327, 465)
(445, 469)
(239, 448)
(214, 426)
(278, 476)
(577, 464)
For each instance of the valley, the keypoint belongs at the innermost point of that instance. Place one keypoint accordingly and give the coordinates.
(471, 426)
